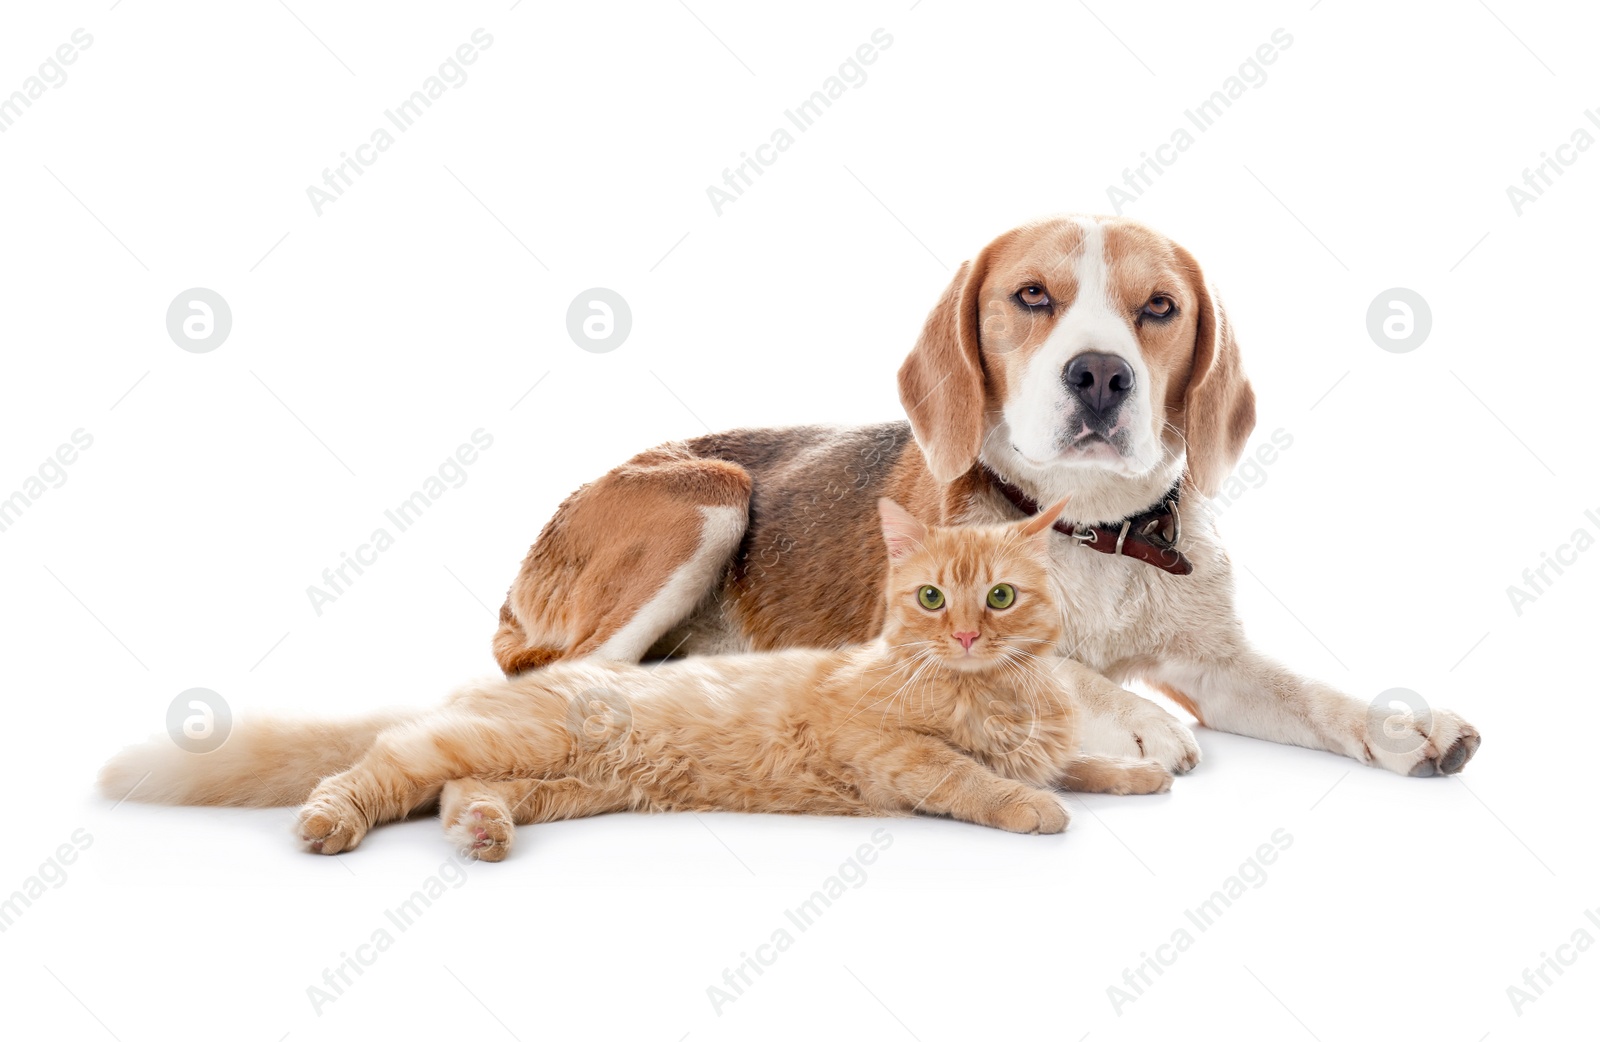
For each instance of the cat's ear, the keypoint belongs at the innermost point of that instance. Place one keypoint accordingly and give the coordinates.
(1042, 521)
(901, 532)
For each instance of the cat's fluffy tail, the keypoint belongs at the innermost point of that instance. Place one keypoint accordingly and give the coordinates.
(266, 762)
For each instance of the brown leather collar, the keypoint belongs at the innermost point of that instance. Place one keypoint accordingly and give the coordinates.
(1151, 536)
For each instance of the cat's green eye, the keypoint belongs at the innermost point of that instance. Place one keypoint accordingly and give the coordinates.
(1003, 595)
(931, 598)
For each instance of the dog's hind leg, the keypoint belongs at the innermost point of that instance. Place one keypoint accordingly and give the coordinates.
(624, 560)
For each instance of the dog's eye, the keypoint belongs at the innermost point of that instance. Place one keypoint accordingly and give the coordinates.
(1160, 306)
(1033, 297)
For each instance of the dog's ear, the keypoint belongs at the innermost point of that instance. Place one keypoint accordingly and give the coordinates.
(941, 382)
(1219, 406)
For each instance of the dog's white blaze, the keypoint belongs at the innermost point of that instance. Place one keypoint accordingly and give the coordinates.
(1039, 409)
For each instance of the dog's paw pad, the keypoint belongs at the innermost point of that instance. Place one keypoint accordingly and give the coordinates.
(1460, 751)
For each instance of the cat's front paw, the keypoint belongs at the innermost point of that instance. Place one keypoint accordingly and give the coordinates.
(1143, 778)
(482, 829)
(1036, 813)
(331, 822)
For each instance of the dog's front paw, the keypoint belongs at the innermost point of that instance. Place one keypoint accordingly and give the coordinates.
(1150, 733)
(1167, 740)
(1419, 742)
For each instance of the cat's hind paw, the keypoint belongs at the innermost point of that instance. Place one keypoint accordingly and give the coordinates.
(483, 829)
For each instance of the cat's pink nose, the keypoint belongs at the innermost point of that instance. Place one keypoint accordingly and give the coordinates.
(966, 638)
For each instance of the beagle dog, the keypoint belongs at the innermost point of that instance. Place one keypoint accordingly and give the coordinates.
(1081, 357)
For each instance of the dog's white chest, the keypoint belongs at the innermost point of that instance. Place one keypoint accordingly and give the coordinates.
(1115, 608)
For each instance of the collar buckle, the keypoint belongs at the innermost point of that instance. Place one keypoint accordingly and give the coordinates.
(1150, 536)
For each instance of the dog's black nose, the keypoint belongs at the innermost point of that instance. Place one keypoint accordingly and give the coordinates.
(1101, 381)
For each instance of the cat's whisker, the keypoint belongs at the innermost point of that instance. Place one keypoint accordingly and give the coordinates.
(929, 660)
(1030, 684)
(892, 667)
(920, 660)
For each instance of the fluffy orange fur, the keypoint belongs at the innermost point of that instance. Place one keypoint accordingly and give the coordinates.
(959, 708)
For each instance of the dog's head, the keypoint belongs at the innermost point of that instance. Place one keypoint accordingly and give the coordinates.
(1079, 343)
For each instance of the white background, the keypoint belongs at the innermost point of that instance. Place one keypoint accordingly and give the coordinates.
(1376, 552)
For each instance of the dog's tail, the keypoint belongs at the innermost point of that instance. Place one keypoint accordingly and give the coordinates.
(265, 762)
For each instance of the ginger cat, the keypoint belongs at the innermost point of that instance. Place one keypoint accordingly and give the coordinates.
(961, 708)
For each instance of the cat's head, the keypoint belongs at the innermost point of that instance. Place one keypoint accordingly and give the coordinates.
(970, 598)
